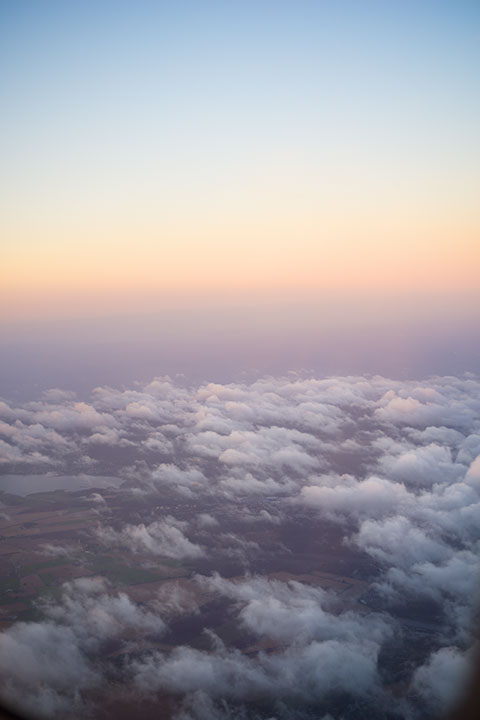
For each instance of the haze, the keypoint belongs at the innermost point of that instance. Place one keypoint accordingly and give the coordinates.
(264, 166)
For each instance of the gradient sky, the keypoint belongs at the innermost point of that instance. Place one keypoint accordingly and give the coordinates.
(175, 148)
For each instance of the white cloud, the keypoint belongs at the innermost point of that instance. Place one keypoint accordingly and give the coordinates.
(162, 537)
(442, 679)
(45, 666)
(396, 464)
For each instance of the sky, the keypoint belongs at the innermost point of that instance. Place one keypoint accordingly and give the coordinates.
(256, 155)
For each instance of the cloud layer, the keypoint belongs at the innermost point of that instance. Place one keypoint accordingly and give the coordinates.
(215, 474)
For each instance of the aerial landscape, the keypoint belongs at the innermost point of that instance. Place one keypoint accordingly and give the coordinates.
(284, 548)
(239, 360)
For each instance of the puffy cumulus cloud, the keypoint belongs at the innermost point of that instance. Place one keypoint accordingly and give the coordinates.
(169, 474)
(270, 402)
(457, 579)
(106, 436)
(469, 449)
(205, 520)
(423, 466)
(263, 516)
(97, 615)
(300, 673)
(11, 455)
(159, 443)
(394, 463)
(397, 541)
(418, 561)
(161, 537)
(46, 688)
(175, 599)
(34, 436)
(157, 403)
(238, 483)
(448, 401)
(233, 546)
(451, 509)
(407, 410)
(440, 682)
(295, 613)
(266, 448)
(47, 431)
(345, 495)
(96, 499)
(68, 416)
(439, 435)
(32, 444)
(45, 666)
(473, 474)
(7, 413)
(425, 538)
(319, 651)
(415, 508)
(275, 430)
